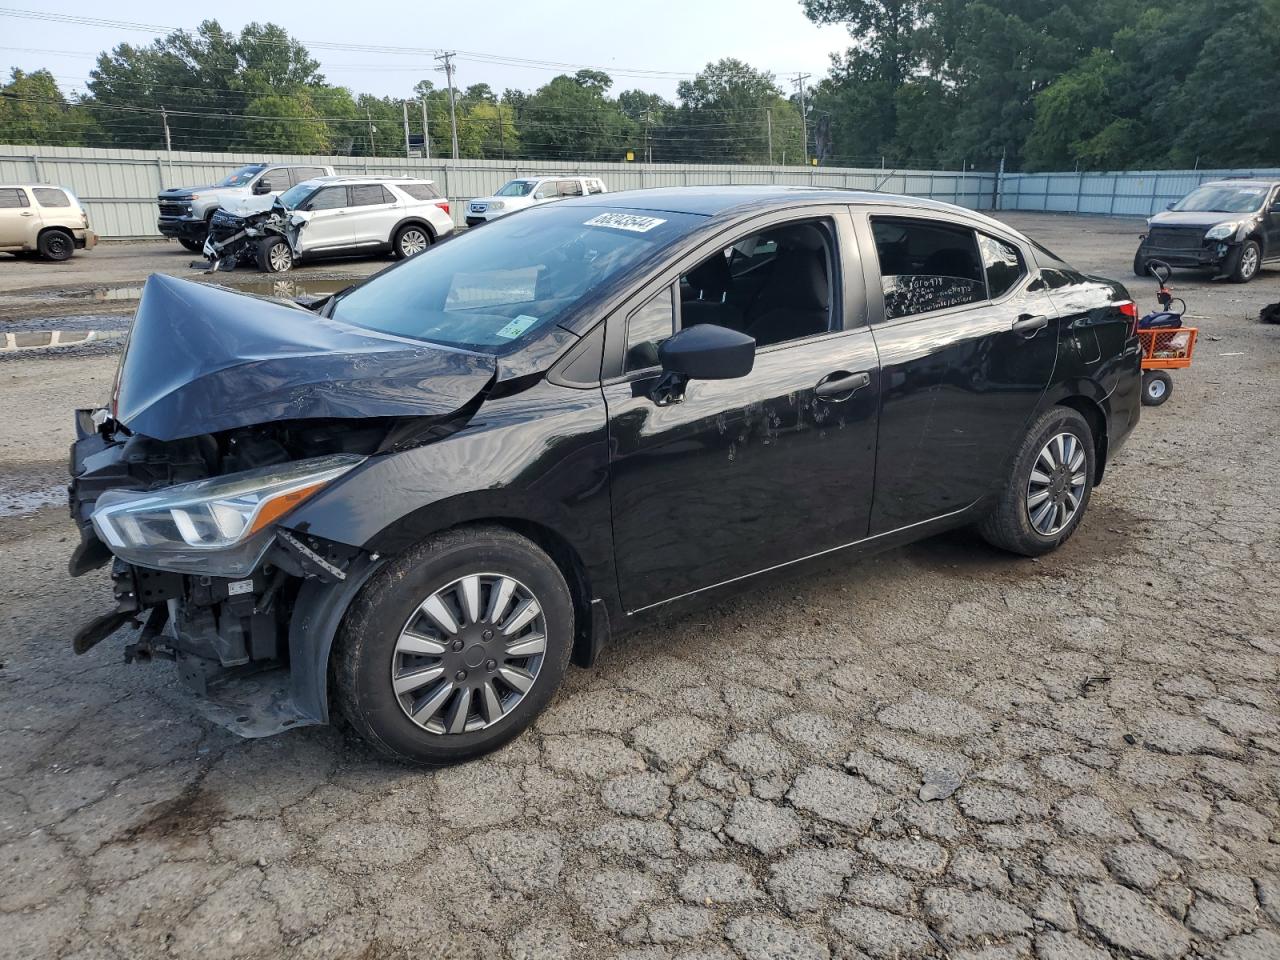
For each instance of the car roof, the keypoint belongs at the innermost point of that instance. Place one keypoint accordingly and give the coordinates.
(1241, 182)
(728, 200)
(364, 179)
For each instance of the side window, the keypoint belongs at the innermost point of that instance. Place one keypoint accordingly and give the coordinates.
(13, 198)
(647, 327)
(1003, 264)
(546, 190)
(419, 191)
(369, 194)
(774, 285)
(307, 173)
(279, 179)
(570, 188)
(51, 197)
(595, 186)
(328, 198)
(927, 266)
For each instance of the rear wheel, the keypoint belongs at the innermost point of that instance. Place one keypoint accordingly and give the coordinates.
(275, 255)
(56, 245)
(1157, 385)
(1248, 262)
(409, 241)
(455, 647)
(1046, 497)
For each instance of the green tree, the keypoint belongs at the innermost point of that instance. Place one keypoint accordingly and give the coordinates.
(33, 110)
(572, 118)
(725, 115)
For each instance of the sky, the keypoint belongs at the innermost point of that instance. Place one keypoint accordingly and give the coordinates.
(661, 41)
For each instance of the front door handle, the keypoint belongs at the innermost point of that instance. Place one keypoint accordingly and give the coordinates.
(1029, 326)
(841, 386)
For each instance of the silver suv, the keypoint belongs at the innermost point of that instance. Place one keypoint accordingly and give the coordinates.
(185, 211)
(525, 192)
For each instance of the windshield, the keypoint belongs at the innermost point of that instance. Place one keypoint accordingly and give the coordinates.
(241, 176)
(296, 194)
(491, 290)
(1222, 199)
(516, 188)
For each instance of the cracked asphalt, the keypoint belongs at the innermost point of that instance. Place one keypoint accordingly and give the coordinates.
(941, 752)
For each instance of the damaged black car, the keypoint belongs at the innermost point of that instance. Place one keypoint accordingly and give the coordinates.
(419, 500)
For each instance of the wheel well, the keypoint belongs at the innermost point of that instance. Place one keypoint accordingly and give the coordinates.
(1097, 421)
(414, 222)
(62, 230)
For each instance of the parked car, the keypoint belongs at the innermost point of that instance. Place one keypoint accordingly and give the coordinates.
(329, 216)
(43, 219)
(526, 192)
(1229, 226)
(484, 462)
(185, 211)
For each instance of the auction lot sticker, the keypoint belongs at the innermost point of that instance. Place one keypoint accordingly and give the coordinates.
(625, 221)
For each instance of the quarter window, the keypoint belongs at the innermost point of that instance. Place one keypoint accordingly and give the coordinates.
(646, 329)
(926, 266)
(1003, 264)
(419, 191)
(51, 197)
(13, 198)
(595, 186)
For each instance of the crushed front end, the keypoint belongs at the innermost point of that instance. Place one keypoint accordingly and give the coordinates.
(234, 237)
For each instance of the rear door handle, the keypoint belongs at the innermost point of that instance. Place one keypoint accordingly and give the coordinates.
(841, 386)
(1029, 326)
(27, 213)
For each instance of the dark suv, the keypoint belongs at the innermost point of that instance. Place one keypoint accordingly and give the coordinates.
(1231, 227)
(425, 495)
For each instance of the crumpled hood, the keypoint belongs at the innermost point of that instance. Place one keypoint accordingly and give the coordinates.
(248, 205)
(201, 359)
(1174, 218)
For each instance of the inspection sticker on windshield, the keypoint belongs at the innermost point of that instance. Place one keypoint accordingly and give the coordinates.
(517, 326)
(625, 221)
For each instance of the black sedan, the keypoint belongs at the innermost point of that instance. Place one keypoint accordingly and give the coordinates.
(1231, 227)
(429, 494)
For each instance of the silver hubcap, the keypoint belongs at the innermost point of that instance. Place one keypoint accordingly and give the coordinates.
(412, 241)
(1056, 488)
(1249, 261)
(1156, 389)
(469, 654)
(280, 257)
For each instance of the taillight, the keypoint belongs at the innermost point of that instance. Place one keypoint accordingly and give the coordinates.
(443, 205)
(1130, 310)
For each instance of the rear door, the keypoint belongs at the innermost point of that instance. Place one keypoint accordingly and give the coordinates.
(967, 347)
(746, 474)
(1271, 225)
(17, 217)
(372, 214)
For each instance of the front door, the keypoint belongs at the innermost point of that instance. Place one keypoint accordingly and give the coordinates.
(329, 225)
(745, 474)
(967, 348)
(1271, 226)
(17, 216)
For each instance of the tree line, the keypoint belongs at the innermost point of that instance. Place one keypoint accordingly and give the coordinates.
(1035, 84)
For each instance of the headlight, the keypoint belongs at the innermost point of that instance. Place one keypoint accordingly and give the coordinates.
(216, 527)
(496, 204)
(1223, 231)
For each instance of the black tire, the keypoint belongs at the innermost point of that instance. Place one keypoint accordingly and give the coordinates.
(1157, 386)
(406, 236)
(274, 255)
(195, 246)
(1009, 526)
(56, 245)
(1248, 262)
(1140, 265)
(365, 650)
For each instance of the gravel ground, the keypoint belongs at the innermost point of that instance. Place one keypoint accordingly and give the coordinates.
(940, 752)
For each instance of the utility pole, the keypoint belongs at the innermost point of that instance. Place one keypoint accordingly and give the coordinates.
(405, 105)
(804, 120)
(453, 115)
(502, 134)
(426, 131)
(369, 117)
(168, 143)
(648, 151)
(768, 127)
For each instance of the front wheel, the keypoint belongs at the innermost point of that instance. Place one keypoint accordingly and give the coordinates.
(275, 255)
(1140, 264)
(455, 647)
(409, 241)
(1044, 500)
(1248, 262)
(1156, 387)
(195, 246)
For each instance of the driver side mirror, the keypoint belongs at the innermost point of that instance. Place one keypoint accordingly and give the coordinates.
(261, 187)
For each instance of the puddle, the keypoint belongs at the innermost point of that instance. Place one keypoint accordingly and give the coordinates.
(50, 339)
(285, 288)
(16, 503)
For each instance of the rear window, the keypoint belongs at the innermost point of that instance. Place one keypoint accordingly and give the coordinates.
(51, 197)
(419, 191)
(491, 290)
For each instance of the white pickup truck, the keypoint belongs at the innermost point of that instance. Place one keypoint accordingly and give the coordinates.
(185, 211)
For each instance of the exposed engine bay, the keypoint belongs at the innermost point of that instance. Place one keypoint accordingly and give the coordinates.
(234, 240)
